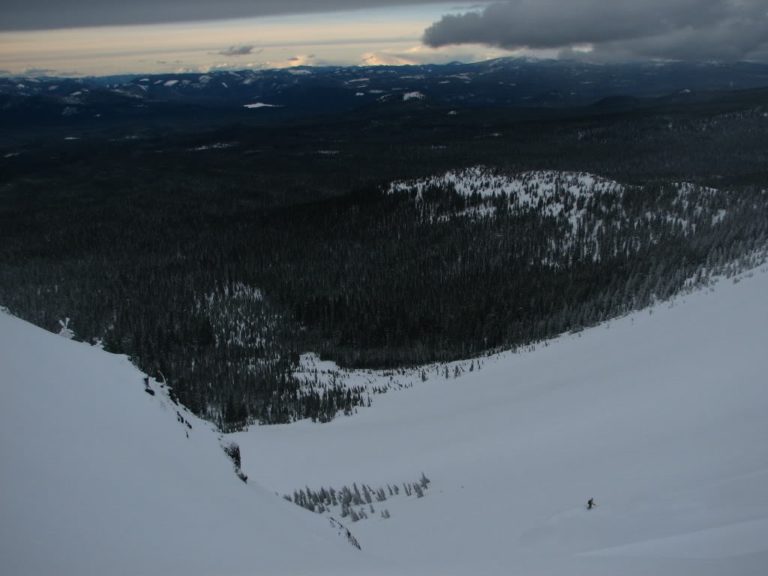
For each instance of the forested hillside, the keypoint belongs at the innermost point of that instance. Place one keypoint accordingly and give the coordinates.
(215, 258)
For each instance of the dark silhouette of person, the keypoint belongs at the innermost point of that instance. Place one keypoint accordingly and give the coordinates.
(590, 503)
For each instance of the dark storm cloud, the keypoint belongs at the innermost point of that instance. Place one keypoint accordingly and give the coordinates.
(618, 29)
(237, 51)
(46, 14)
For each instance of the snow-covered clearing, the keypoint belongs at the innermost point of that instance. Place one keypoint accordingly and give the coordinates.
(214, 146)
(552, 193)
(413, 96)
(527, 188)
(660, 416)
(257, 105)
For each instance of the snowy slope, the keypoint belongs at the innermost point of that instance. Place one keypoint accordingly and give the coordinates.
(661, 416)
(97, 477)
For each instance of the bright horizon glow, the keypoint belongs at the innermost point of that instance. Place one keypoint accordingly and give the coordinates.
(381, 36)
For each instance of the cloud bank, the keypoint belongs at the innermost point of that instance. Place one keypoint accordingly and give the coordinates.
(243, 50)
(616, 30)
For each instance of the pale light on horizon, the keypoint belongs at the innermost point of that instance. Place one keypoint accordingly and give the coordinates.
(381, 36)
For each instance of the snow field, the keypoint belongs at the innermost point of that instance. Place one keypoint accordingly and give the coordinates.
(660, 416)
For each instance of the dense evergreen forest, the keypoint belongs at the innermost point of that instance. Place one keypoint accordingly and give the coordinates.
(214, 266)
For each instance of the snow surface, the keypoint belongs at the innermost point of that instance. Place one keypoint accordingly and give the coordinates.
(413, 96)
(257, 105)
(97, 477)
(660, 416)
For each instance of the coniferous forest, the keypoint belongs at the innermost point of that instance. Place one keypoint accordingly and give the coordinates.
(381, 240)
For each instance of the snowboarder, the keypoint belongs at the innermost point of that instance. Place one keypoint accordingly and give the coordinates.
(591, 504)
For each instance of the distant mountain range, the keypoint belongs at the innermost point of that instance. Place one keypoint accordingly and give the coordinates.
(302, 91)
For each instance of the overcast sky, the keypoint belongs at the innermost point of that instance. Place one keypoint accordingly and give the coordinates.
(114, 36)
(46, 14)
